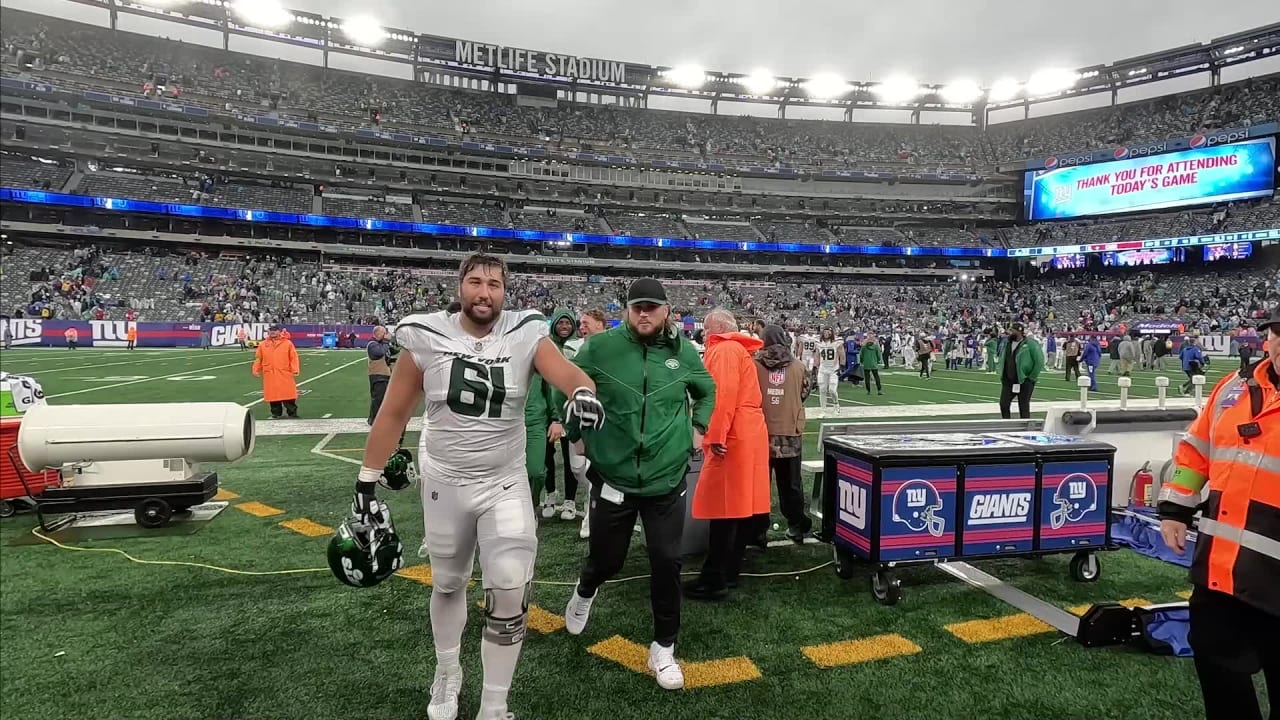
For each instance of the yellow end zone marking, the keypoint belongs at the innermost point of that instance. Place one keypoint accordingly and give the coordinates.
(257, 509)
(303, 526)
(635, 657)
(544, 622)
(1130, 603)
(225, 494)
(850, 652)
(1000, 628)
(1184, 594)
(420, 573)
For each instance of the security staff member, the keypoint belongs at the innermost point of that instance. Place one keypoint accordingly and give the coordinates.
(379, 352)
(1233, 447)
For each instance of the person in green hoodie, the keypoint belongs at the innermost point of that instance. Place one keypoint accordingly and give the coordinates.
(1020, 366)
(646, 373)
(564, 333)
(870, 360)
(540, 423)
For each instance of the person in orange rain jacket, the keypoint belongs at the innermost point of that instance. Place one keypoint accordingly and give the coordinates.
(131, 336)
(733, 486)
(276, 363)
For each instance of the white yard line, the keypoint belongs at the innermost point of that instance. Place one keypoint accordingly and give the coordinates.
(188, 371)
(95, 366)
(319, 449)
(313, 379)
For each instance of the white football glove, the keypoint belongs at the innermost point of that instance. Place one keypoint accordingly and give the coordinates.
(586, 407)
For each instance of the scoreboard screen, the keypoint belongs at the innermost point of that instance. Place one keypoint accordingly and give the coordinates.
(1134, 258)
(1230, 251)
(1198, 176)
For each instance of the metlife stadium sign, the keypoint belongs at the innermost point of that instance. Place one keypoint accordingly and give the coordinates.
(532, 63)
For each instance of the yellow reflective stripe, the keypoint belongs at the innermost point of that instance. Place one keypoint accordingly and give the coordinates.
(1184, 488)
(1256, 542)
(1238, 454)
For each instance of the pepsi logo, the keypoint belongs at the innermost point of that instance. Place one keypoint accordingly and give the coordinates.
(1121, 153)
(1198, 141)
(1050, 162)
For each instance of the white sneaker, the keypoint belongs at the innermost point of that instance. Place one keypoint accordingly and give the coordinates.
(569, 510)
(496, 714)
(663, 665)
(549, 504)
(444, 695)
(577, 612)
(584, 531)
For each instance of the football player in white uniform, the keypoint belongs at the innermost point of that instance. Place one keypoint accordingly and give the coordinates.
(828, 359)
(474, 369)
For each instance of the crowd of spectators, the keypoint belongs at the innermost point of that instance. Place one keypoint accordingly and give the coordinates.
(157, 283)
(80, 56)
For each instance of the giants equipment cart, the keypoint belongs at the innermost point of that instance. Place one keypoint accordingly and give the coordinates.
(893, 500)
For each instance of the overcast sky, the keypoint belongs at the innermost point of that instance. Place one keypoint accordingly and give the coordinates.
(928, 40)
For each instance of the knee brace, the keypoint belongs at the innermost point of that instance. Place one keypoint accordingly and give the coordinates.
(506, 615)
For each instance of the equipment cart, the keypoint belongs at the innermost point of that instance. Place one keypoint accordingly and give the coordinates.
(893, 500)
(18, 486)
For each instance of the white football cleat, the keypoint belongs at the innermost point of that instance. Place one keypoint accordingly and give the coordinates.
(445, 688)
(577, 612)
(549, 505)
(584, 532)
(569, 510)
(424, 551)
(663, 665)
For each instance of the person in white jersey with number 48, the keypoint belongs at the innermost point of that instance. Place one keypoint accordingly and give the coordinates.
(474, 368)
(828, 358)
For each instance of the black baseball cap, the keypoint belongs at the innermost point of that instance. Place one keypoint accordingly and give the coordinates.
(1272, 323)
(646, 290)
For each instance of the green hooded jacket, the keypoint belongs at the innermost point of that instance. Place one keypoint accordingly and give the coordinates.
(1028, 359)
(869, 355)
(647, 439)
(569, 347)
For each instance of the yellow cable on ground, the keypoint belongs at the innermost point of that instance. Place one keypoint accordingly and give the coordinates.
(130, 558)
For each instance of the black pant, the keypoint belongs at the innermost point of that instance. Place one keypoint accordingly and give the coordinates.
(611, 529)
(726, 544)
(786, 475)
(1073, 368)
(869, 373)
(924, 364)
(1233, 640)
(290, 406)
(570, 480)
(1196, 369)
(377, 391)
(1024, 398)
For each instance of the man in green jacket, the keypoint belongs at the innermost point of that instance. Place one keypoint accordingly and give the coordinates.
(646, 373)
(541, 425)
(870, 360)
(564, 333)
(1020, 366)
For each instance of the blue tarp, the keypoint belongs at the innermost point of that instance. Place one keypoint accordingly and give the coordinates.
(1139, 530)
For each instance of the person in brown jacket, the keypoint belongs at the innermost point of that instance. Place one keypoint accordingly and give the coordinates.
(782, 380)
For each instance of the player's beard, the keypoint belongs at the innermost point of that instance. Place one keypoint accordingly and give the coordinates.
(470, 310)
(654, 330)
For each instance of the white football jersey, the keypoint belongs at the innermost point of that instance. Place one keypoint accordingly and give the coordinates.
(808, 348)
(828, 353)
(475, 388)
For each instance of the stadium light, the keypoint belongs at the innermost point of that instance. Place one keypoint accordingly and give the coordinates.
(759, 82)
(690, 77)
(266, 14)
(1005, 89)
(364, 30)
(1052, 80)
(826, 86)
(897, 89)
(961, 92)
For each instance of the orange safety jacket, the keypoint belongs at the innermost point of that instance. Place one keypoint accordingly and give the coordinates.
(1233, 446)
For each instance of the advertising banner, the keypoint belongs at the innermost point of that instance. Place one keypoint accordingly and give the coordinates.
(35, 332)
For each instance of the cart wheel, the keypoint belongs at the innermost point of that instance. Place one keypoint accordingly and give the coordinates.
(885, 588)
(7, 509)
(1085, 567)
(152, 513)
(844, 563)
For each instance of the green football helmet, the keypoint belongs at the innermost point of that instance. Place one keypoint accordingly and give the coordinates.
(399, 472)
(363, 555)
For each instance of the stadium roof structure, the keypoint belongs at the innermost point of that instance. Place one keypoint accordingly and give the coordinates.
(365, 36)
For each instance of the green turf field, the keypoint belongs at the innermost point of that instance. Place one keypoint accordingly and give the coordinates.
(93, 635)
